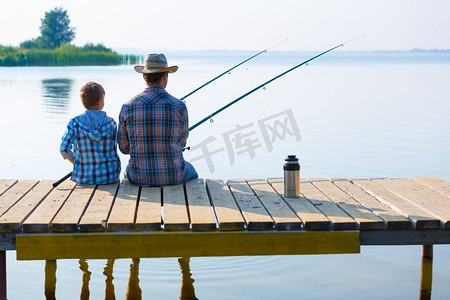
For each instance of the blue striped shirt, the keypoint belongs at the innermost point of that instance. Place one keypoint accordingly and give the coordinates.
(91, 140)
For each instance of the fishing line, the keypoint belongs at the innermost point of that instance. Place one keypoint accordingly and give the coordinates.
(267, 82)
(229, 70)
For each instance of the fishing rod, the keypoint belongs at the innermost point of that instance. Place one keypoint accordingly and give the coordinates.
(243, 96)
(67, 176)
(227, 71)
(267, 82)
(55, 184)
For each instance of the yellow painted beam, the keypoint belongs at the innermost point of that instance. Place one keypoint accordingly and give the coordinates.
(177, 244)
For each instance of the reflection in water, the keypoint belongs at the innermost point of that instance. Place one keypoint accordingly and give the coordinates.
(133, 289)
(187, 291)
(134, 292)
(85, 279)
(427, 272)
(50, 279)
(108, 272)
(56, 95)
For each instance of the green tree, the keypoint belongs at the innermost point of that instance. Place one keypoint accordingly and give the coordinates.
(98, 47)
(33, 44)
(55, 28)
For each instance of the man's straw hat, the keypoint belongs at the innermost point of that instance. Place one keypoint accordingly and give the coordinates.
(155, 63)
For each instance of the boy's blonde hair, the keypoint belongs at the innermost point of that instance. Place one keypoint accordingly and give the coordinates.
(91, 93)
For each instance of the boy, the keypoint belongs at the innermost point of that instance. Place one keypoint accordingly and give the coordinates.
(90, 142)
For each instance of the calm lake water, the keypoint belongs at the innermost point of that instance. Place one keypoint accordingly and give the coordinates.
(347, 114)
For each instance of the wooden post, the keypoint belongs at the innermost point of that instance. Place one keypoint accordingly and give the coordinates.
(3, 289)
(427, 272)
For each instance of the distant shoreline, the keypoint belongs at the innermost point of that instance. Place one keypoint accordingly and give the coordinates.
(50, 58)
(142, 51)
(66, 55)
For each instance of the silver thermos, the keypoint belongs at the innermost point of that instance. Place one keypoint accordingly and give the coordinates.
(291, 177)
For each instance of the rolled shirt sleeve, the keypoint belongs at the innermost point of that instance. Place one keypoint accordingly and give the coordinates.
(184, 133)
(122, 137)
(67, 143)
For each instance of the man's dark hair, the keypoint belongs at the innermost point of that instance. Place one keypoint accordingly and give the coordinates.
(153, 77)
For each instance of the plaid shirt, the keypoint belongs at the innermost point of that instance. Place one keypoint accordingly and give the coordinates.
(94, 150)
(153, 129)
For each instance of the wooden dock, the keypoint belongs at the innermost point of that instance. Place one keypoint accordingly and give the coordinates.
(213, 218)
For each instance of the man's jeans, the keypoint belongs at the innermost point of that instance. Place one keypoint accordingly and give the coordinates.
(191, 173)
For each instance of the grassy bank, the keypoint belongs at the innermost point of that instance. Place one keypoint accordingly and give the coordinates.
(65, 55)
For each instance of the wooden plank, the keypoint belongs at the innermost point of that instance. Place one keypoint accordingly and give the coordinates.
(174, 208)
(282, 215)
(104, 245)
(5, 184)
(435, 183)
(12, 220)
(67, 218)
(96, 214)
(339, 219)
(148, 215)
(311, 217)
(227, 212)
(392, 219)
(255, 215)
(200, 210)
(433, 192)
(430, 200)
(40, 219)
(413, 198)
(124, 208)
(363, 217)
(14, 194)
(420, 218)
(405, 237)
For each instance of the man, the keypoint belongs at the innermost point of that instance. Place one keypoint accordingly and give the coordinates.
(153, 129)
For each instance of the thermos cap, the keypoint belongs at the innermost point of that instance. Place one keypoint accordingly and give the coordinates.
(291, 163)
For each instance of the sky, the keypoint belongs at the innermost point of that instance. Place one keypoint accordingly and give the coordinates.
(239, 24)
